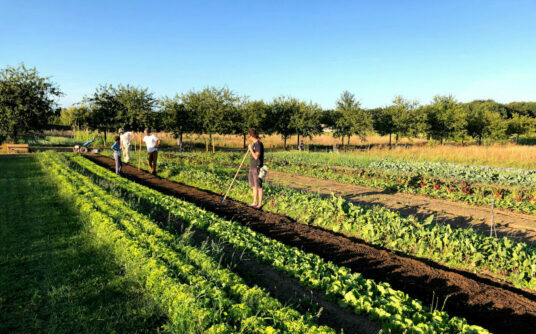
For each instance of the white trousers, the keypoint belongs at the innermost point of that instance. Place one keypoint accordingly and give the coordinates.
(126, 154)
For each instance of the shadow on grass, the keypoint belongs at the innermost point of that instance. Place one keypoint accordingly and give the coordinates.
(55, 277)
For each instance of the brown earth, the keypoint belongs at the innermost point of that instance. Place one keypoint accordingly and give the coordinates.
(496, 306)
(517, 226)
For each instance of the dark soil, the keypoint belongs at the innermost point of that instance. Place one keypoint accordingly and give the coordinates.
(498, 307)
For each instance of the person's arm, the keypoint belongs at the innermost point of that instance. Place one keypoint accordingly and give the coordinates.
(255, 155)
(157, 143)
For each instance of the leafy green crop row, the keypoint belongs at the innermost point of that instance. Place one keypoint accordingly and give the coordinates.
(224, 302)
(449, 171)
(445, 181)
(465, 248)
(394, 309)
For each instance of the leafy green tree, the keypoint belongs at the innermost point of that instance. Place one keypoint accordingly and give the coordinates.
(136, 107)
(350, 118)
(445, 119)
(253, 115)
(27, 100)
(523, 108)
(177, 118)
(214, 109)
(307, 120)
(519, 125)
(280, 116)
(104, 109)
(383, 121)
(484, 120)
(75, 116)
(406, 119)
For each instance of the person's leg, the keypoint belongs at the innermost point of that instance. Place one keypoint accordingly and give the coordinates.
(252, 185)
(259, 205)
(120, 164)
(155, 159)
(126, 154)
(149, 161)
(255, 193)
(116, 158)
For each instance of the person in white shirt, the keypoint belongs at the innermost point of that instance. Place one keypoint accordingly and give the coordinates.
(152, 142)
(125, 144)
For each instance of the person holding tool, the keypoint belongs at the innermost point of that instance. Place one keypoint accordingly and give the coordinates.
(152, 142)
(256, 162)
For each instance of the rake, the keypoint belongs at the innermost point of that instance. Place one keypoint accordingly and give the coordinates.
(236, 174)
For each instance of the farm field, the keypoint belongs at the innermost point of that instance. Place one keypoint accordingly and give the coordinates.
(396, 279)
(308, 263)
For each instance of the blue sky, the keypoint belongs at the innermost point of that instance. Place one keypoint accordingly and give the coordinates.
(312, 50)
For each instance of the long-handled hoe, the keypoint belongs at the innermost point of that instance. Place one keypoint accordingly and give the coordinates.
(236, 174)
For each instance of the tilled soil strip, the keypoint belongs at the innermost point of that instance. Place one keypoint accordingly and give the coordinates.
(490, 304)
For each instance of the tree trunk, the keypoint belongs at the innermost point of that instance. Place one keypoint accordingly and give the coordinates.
(244, 136)
(212, 143)
(390, 135)
(298, 145)
(206, 144)
(342, 141)
(349, 136)
(517, 138)
(285, 142)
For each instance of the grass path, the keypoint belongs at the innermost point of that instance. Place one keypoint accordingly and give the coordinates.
(54, 277)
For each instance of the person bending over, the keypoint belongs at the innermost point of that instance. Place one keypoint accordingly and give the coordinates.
(152, 142)
(256, 161)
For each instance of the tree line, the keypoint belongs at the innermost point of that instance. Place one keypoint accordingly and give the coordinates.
(27, 103)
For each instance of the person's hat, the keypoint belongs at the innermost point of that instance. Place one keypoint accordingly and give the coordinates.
(121, 131)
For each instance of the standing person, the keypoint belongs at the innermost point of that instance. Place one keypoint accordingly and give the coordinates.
(116, 147)
(152, 142)
(256, 161)
(125, 145)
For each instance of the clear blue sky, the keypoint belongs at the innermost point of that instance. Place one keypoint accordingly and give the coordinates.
(311, 50)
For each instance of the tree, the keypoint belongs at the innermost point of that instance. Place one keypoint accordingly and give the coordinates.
(27, 100)
(484, 120)
(445, 118)
(280, 116)
(177, 118)
(350, 118)
(306, 121)
(214, 109)
(383, 121)
(406, 119)
(519, 125)
(75, 116)
(136, 107)
(103, 109)
(253, 115)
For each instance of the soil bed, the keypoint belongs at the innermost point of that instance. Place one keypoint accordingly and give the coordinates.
(498, 307)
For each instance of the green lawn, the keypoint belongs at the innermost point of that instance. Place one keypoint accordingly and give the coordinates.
(54, 277)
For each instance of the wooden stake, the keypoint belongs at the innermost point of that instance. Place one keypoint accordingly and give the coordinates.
(139, 155)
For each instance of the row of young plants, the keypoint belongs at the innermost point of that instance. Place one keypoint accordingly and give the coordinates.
(461, 172)
(391, 176)
(455, 247)
(395, 310)
(199, 294)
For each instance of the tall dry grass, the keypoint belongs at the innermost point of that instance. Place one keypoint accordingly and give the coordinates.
(498, 155)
